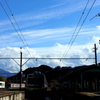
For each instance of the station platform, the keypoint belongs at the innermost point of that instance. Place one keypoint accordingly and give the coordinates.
(12, 95)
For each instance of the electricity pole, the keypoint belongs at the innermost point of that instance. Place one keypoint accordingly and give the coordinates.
(21, 64)
(20, 67)
(95, 51)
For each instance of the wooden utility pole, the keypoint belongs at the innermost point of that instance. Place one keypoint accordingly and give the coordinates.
(95, 51)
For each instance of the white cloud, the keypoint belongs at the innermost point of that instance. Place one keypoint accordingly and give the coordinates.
(57, 51)
(56, 37)
(31, 36)
(49, 36)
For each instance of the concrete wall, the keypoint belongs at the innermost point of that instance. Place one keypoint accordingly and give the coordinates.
(12, 95)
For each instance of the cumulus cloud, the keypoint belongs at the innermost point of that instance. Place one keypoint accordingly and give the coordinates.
(58, 37)
(54, 38)
(56, 51)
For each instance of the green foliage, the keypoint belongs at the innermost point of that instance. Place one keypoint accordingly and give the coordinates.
(3, 79)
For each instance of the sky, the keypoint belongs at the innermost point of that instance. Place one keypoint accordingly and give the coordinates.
(48, 29)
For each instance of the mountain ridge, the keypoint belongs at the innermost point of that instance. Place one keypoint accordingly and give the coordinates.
(5, 73)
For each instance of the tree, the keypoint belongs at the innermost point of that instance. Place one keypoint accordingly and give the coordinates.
(3, 79)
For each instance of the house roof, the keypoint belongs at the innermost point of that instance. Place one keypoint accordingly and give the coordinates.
(77, 71)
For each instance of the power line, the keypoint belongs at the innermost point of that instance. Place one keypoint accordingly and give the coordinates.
(74, 36)
(5, 41)
(12, 23)
(76, 28)
(46, 58)
(24, 43)
(24, 40)
(16, 23)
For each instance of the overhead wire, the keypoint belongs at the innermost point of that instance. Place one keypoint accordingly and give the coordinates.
(16, 23)
(75, 35)
(76, 28)
(5, 41)
(98, 15)
(20, 36)
(12, 23)
(26, 44)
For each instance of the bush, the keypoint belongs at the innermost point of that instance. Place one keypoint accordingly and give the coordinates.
(3, 79)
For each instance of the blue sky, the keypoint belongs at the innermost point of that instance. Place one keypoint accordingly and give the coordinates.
(47, 27)
(42, 19)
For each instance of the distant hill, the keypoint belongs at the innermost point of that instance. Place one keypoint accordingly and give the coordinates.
(50, 73)
(41, 68)
(6, 74)
(57, 74)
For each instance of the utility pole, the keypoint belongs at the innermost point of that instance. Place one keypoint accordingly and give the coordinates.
(20, 67)
(95, 51)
